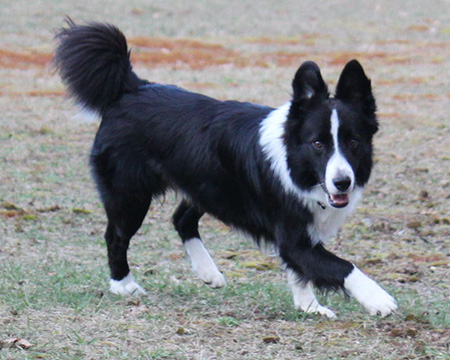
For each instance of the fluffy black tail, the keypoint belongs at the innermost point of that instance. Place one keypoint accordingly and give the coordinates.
(94, 63)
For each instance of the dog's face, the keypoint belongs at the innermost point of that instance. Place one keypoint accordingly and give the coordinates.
(329, 140)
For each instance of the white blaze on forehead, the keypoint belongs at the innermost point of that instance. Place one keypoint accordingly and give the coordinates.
(334, 127)
(338, 165)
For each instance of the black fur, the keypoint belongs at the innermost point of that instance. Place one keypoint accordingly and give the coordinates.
(155, 137)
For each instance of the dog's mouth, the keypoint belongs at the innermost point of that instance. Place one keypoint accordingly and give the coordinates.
(338, 200)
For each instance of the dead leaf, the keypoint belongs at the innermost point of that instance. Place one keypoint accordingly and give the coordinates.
(136, 11)
(9, 206)
(418, 171)
(29, 217)
(274, 339)
(395, 276)
(174, 256)
(181, 331)
(45, 130)
(134, 302)
(373, 261)
(49, 209)
(236, 273)
(420, 319)
(81, 211)
(15, 342)
(228, 254)
(424, 195)
(11, 213)
(414, 224)
(258, 265)
(138, 310)
(411, 332)
(430, 258)
(396, 333)
(404, 332)
(440, 263)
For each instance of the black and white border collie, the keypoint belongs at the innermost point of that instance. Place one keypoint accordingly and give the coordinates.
(287, 176)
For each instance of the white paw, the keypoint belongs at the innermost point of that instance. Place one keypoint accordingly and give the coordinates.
(304, 298)
(319, 309)
(214, 279)
(379, 303)
(126, 286)
(203, 264)
(374, 299)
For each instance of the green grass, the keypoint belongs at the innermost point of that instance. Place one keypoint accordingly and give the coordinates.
(54, 293)
(53, 266)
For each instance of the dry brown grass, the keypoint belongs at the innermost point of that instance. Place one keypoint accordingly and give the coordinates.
(53, 289)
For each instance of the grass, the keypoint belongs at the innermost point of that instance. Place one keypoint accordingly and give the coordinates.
(66, 286)
(53, 283)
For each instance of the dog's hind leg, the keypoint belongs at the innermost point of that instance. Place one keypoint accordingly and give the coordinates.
(125, 217)
(185, 220)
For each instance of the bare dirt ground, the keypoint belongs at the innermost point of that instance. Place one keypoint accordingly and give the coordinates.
(54, 302)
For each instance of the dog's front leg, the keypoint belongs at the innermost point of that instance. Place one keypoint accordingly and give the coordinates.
(327, 271)
(374, 299)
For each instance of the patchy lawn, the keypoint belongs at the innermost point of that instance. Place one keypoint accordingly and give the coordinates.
(54, 302)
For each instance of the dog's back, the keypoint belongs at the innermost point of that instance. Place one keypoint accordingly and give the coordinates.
(288, 176)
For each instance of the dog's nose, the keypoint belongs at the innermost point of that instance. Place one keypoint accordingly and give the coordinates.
(342, 183)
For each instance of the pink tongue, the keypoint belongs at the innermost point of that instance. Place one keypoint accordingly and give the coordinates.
(339, 198)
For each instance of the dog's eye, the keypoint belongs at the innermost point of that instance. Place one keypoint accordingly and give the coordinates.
(353, 143)
(318, 145)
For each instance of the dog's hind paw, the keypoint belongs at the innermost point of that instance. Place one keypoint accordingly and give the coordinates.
(203, 264)
(304, 298)
(214, 279)
(321, 310)
(126, 286)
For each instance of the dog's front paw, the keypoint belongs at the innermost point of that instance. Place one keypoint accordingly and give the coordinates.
(378, 302)
(126, 286)
(374, 299)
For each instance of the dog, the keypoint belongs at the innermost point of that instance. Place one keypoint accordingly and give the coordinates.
(286, 176)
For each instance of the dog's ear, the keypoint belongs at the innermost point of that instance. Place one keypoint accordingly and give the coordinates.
(308, 83)
(354, 87)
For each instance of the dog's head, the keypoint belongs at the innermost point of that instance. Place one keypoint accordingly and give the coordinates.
(329, 139)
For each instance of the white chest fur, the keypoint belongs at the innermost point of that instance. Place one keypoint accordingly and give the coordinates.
(328, 220)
